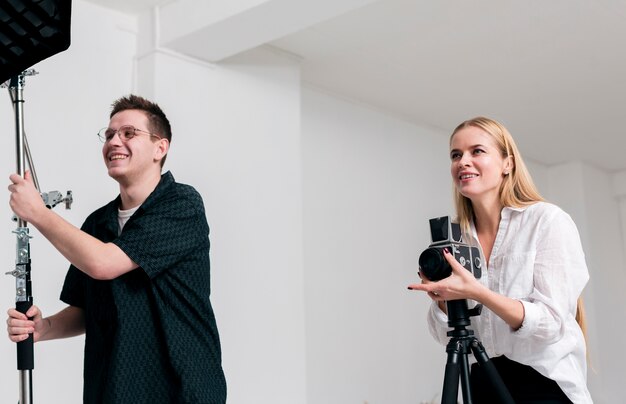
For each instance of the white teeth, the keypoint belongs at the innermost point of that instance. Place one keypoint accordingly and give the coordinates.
(466, 176)
(117, 157)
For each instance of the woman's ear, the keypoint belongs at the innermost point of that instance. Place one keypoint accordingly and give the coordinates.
(509, 165)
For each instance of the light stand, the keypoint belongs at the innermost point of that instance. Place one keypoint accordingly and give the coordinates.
(30, 31)
(22, 271)
(23, 287)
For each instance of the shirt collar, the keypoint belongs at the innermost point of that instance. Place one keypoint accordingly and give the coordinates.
(109, 219)
(515, 208)
(505, 214)
(167, 179)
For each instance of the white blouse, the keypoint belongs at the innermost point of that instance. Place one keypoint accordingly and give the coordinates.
(538, 259)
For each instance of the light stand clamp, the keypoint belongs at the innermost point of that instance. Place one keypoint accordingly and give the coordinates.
(53, 198)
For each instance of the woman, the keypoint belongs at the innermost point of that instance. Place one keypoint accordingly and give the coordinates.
(533, 273)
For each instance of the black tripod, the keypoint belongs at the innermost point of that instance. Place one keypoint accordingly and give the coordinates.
(461, 342)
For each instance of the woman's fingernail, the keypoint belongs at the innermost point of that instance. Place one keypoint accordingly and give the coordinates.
(445, 251)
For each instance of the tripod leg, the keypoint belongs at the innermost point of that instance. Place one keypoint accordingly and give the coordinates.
(465, 380)
(492, 373)
(451, 376)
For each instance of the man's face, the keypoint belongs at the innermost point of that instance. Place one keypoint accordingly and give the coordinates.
(130, 160)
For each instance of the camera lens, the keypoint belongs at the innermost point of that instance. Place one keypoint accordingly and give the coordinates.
(433, 264)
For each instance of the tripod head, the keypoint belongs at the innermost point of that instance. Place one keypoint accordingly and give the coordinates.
(459, 314)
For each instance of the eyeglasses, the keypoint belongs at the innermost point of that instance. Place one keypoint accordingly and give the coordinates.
(125, 132)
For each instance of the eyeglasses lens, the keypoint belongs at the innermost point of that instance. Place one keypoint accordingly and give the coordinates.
(127, 132)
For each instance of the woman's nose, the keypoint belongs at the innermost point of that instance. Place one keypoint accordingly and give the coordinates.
(464, 161)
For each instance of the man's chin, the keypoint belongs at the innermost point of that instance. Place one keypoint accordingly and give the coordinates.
(115, 172)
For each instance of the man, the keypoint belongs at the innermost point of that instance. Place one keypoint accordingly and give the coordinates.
(138, 285)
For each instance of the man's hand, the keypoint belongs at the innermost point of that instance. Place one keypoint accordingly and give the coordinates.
(25, 200)
(19, 326)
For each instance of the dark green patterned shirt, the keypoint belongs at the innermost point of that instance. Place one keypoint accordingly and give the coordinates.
(151, 335)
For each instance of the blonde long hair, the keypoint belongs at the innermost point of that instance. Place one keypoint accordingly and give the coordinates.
(517, 188)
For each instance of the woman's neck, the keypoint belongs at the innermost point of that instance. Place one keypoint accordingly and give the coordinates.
(487, 216)
(486, 222)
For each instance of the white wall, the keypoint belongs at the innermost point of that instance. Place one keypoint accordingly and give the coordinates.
(318, 210)
(371, 182)
(587, 193)
(594, 199)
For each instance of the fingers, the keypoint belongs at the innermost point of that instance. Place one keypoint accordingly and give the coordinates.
(19, 330)
(13, 313)
(19, 326)
(433, 290)
(14, 178)
(450, 258)
(18, 338)
(436, 296)
(34, 313)
(454, 264)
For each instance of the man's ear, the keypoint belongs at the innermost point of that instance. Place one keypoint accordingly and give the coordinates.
(162, 149)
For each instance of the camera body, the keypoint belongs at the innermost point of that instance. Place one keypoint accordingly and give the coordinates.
(446, 234)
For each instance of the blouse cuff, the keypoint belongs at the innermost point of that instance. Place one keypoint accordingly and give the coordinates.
(531, 320)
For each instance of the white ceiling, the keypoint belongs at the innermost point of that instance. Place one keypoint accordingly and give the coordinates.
(130, 6)
(553, 71)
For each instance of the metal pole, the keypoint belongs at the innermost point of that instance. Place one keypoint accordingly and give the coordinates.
(23, 288)
(22, 271)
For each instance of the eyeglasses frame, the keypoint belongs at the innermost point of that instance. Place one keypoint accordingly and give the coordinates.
(103, 139)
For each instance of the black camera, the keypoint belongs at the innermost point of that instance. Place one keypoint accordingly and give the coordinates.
(446, 234)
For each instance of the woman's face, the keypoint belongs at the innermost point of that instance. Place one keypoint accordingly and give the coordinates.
(477, 166)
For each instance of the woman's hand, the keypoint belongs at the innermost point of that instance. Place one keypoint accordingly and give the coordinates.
(461, 284)
(19, 326)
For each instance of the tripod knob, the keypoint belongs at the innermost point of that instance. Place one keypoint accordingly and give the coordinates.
(476, 310)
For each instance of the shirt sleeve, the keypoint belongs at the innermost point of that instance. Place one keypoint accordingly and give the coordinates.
(166, 232)
(559, 276)
(438, 323)
(73, 292)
